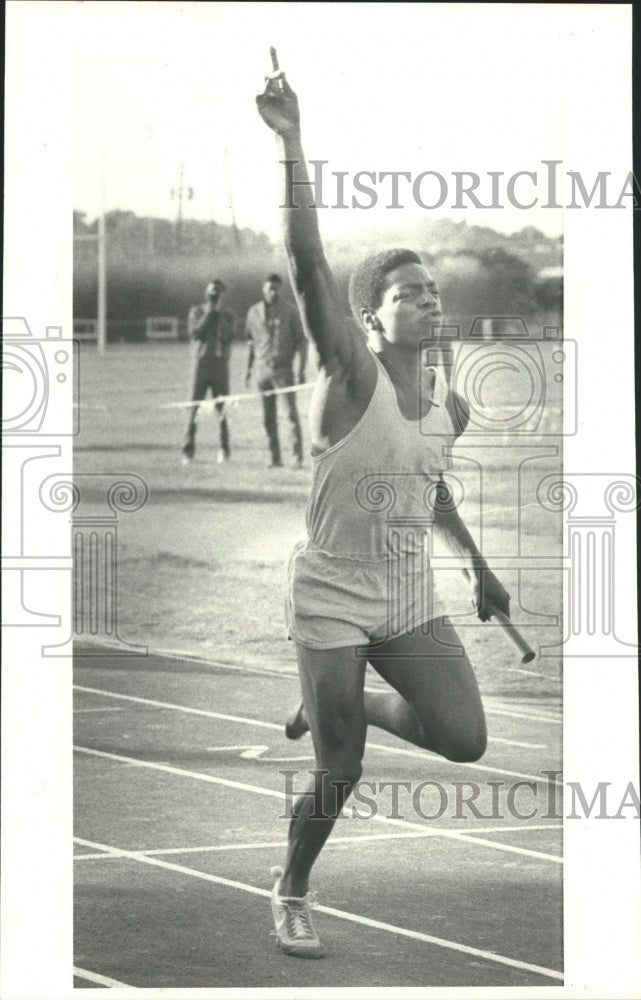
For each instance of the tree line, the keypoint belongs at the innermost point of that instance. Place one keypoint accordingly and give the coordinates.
(153, 270)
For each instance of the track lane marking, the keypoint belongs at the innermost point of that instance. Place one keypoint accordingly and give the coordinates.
(293, 674)
(513, 714)
(181, 772)
(260, 790)
(94, 977)
(331, 911)
(177, 708)
(358, 838)
(421, 754)
(538, 779)
(105, 708)
(532, 673)
(517, 743)
(100, 855)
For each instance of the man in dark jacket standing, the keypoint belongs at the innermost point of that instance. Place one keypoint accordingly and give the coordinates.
(212, 328)
(275, 335)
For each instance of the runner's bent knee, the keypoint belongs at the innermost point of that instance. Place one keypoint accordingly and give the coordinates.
(466, 747)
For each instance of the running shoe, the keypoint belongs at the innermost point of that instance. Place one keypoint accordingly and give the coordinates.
(295, 934)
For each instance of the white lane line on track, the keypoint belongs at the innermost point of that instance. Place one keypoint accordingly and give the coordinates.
(531, 673)
(181, 772)
(91, 857)
(283, 844)
(489, 956)
(493, 710)
(260, 790)
(539, 779)
(105, 708)
(471, 838)
(178, 708)
(273, 725)
(178, 654)
(518, 743)
(93, 977)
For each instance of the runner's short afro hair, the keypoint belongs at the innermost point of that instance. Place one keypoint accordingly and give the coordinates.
(366, 283)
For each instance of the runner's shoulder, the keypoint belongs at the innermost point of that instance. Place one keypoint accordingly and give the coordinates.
(344, 388)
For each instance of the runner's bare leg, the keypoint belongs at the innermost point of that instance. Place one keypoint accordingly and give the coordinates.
(435, 704)
(332, 683)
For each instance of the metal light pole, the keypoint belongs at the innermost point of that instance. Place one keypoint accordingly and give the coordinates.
(179, 193)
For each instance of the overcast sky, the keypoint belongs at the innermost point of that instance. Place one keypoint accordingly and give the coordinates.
(406, 87)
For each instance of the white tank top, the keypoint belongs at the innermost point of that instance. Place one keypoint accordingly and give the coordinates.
(377, 484)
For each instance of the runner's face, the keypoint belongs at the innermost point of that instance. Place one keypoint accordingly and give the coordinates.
(270, 292)
(410, 306)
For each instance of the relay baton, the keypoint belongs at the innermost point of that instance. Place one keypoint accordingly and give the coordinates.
(512, 634)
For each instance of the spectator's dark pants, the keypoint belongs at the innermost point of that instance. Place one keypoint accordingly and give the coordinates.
(217, 380)
(280, 380)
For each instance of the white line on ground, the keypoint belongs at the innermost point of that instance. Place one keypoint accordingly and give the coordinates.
(181, 772)
(106, 708)
(273, 725)
(260, 790)
(179, 654)
(283, 844)
(91, 857)
(178, 708)
(471, 838)
(493, 710)
(518, 743)
(477, 767)
(93, 977)
(532, 673)
(330, 911)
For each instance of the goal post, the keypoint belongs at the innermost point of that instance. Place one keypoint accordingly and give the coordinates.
(100, 240)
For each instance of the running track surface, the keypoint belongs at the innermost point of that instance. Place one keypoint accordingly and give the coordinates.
(180, 810)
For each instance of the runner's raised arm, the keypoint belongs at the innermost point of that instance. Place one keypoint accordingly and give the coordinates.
(326, 324)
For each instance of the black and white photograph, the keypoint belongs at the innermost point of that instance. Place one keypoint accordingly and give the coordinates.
(319, 581)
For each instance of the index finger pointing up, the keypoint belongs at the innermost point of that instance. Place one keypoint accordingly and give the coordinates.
(274, 58)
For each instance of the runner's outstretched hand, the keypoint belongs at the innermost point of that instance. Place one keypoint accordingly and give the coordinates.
(278, 104)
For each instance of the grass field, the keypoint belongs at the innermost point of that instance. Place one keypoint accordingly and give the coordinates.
(200, 567)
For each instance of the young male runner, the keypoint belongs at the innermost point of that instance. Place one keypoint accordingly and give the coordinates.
(359, 588)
